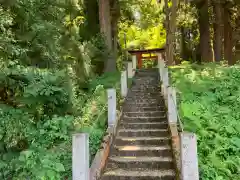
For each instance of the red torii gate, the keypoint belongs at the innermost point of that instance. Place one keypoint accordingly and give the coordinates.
(139, 54)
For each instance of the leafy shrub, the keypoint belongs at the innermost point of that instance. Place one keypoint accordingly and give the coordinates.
(209, 103)
(46, 70)
(42, 151)
(39, 112)
(14, 124)
(39, 91)
(108, 80)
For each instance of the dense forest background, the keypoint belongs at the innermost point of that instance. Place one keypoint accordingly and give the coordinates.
(57, 59)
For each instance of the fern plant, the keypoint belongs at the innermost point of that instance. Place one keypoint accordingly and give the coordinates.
(209, 103)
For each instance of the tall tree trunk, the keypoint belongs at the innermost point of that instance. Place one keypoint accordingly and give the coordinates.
(237, 51)
(115, 42)
(167, 29)
(106, 30)
(217, 26)
(184, 48)
(237, 39)
(228, 40)
(205, 41)
(171, 33)
(92, 16)
(115, 14)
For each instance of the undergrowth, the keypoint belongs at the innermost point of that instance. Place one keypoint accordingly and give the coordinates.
(209, 106)
(39, 111)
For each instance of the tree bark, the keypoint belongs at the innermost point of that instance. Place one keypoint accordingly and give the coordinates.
(237, 39)
(228, 40)
(184, 49)
(171, 32)
(115, 14)
(205, 41)
(92, 16)
(106, 30)
(167, 29)
(217, 26)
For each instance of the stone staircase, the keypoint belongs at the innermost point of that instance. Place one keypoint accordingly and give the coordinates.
(142, 148)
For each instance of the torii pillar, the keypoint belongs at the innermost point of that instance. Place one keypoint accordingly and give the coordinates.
(139, 60)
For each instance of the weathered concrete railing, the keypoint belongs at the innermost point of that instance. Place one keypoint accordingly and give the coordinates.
(80, 156)
(184, 143)
(124, 88)
(130, 69)
(80, 141)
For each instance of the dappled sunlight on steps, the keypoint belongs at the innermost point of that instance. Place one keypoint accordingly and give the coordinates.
(142, 146)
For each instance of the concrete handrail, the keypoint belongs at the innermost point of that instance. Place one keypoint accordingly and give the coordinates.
(80, 142)
(184, 143)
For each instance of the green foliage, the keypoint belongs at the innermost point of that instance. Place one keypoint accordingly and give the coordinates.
(36, 129)
(34, 148)
(187, 15)
(46, 34)
(48, 87)
(108, 80)
(209, 106)
(143, 28)
(148, 63)
(38, 91)
(137, 38)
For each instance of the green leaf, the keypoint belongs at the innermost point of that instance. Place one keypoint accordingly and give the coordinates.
(236, 141)
(59, 167)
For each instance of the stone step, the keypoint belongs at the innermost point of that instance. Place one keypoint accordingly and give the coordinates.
(142, 148)
(138, 174)
(149, 101)
(144, 96)
(146, 89)
(143, 109)
(157, 162)
(144, 86)
(145, 100)
(145, 83)
(141, 96)
(157, 141)
(143, 119)
(150, 86)
(148, 125)
(154, 69)
(145, 79)
(137, 94)
(147, 74)
(152, 97)
(143, 132)
(143, 90)
(136, 151)
(144, 104)
(159, 114)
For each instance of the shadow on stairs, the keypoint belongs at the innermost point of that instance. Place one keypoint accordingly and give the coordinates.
(142, 148)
